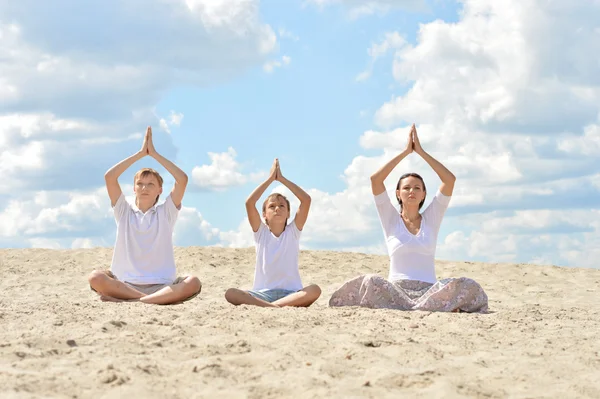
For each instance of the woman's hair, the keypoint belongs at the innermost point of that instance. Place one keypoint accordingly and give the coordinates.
(404, 176)
(275, 195)
(149, 172)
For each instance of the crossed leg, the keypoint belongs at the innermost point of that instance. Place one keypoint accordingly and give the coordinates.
(175, 293)
(239, 297)
(113, 290)
(303, 298)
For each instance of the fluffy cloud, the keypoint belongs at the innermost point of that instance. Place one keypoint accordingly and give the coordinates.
(71, 98)
(535, 236)
(55, 218)
(392, 40)
(223, 172)
(270, 66)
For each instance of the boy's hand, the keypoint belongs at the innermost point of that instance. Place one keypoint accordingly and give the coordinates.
(273, 172)
(151, 150)
(278, 176)
(144, 150)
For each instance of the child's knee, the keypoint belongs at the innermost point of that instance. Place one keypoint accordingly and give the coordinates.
(194, 284)
(232, 295)
(97, 278)
(314, 290)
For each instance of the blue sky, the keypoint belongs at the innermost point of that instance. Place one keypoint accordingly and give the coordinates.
(505, 95)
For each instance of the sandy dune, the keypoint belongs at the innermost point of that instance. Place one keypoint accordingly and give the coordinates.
(541, 338)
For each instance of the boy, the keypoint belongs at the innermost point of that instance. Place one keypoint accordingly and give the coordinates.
(143, 264)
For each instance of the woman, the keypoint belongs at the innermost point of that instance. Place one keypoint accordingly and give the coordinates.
(411, 239)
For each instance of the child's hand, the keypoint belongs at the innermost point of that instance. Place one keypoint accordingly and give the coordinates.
(274, 169)
(279, 176)
(144, 150)
(151, 150)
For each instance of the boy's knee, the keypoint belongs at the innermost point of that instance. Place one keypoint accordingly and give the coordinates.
(194, 284)
(97, 278)
(232, 296)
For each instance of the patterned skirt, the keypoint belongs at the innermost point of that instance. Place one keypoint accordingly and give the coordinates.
(448, 295)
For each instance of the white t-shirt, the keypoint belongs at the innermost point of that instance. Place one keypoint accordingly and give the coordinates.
(144, 247)
(412, 257)
(277, 259)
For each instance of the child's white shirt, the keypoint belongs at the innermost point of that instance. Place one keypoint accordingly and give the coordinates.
(277, 258)
(143, 251)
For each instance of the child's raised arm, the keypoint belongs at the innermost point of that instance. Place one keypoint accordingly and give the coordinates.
(111, 177)
(181, 179)
(302, 195)
(253, 215)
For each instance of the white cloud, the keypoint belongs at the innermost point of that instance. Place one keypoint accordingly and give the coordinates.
(587, 144)
(392, 40)
(174, 120)
(190, 226)
(532, 236)
(223, 172)
(270, 66)
(53, 214)
(240, 238)
(494, 68)
(73, 99)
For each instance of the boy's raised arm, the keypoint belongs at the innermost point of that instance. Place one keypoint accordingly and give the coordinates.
(181, 179)
(111, 177)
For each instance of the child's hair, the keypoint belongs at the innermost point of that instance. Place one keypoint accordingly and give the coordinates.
(275, 195)
(404, 176)
(145, 172)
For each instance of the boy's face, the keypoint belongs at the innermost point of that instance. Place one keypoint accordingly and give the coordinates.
(276, 210)
(147, 189)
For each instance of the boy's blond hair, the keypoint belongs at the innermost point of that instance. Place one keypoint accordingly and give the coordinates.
(145, 172)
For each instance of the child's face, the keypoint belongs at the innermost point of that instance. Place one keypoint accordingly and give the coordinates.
(276, 210)
(147, 189)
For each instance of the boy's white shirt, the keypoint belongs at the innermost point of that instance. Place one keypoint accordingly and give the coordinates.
(143, 251)
(277, 258)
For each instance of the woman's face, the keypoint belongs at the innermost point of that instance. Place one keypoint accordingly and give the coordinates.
(411, 191)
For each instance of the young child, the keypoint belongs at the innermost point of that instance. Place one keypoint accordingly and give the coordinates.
(143, 264)
(277, 280)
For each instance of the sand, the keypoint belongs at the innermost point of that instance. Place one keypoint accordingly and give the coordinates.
(58, 340)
